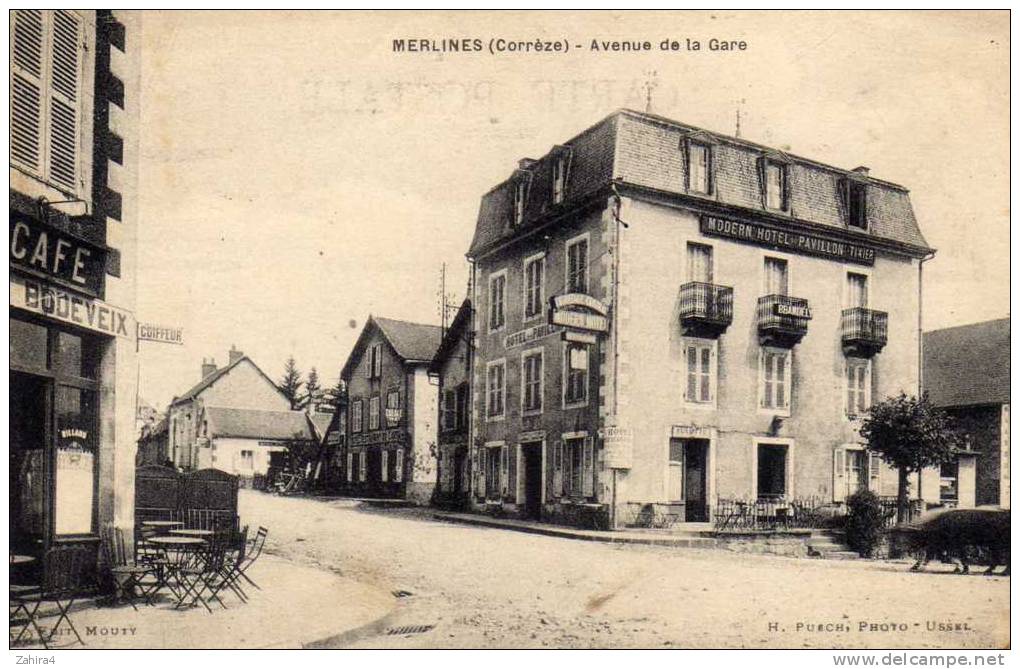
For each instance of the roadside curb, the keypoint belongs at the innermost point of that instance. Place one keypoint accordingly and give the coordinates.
(562, 533)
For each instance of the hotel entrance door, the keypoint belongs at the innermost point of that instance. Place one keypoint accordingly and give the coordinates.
(688, 473)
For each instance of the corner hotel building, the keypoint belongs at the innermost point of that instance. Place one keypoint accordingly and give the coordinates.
(668, 315)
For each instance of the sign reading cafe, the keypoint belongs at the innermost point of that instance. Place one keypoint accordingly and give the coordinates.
(766, 235)
(46, 251)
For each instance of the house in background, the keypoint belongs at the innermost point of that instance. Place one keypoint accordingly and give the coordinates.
(966, 373)
(391, 412)
(153, 444)
(242, 441)
(238, 385)
(452, 366)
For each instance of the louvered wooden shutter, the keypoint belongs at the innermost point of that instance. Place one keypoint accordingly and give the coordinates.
(481, 472)
(557, 478)
(875, 473)
(504, 456)
(65, 65)
(27, 103)
(588, 469)
(512, 475)
(839, 474)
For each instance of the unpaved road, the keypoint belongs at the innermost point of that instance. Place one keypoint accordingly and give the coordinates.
(489, 588)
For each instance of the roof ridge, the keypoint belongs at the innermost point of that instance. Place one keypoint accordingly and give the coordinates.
(401, 320)
(969, 325)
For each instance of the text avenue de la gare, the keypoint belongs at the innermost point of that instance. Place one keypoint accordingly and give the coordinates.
(494, 45)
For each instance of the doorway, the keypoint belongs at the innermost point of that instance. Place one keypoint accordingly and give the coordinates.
(458, 470)
(29, 434)
(696, 480)
(772, 482)
(532, 456)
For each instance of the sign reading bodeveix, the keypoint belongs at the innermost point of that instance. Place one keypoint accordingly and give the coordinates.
(92, 314)
(766, 235)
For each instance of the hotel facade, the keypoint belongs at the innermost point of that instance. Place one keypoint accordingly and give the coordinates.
(74, 78)
(670, 317)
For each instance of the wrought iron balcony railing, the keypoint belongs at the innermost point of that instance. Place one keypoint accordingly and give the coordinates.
(705, 308)
(782, 320)
(865, 331)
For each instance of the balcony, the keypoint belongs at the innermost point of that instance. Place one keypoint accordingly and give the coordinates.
(782, 320)
(706, 310)
(865, 331)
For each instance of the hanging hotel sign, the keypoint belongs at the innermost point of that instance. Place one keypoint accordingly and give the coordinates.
(55, 255)
(86, 312)
(795, 310)
(161, 334)
(579, 311)
(766, 235)
(529, 335)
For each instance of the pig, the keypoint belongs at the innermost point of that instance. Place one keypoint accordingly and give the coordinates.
(953, 535)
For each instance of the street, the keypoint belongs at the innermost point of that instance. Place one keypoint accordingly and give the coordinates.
(489, 588)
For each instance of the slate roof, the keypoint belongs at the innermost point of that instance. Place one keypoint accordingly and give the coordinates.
(644, 150)
(414, 342)
(968, 365)
(258, 424)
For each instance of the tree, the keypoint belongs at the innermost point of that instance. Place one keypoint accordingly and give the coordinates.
(291, 383)
(909, 434)
(334, 395)
(313, 392)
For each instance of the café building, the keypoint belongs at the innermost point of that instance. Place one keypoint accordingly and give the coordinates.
(669, 319)
(72, 247)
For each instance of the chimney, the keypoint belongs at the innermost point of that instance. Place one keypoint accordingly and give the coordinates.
(862, 170)
(208, 366)
(234, 355)
(525, 163)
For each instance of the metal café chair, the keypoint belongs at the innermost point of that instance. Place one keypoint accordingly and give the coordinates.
(252, 554)
(65, 579)
(126, 575)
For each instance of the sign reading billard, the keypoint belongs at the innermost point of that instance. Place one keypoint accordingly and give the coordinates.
(766, 235)
(92, 314)
(161, 334)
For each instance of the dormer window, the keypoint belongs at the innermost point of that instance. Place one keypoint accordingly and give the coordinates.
(559, 179)
(775, 186)
(520, 190)
(699, 161)
(855, 195)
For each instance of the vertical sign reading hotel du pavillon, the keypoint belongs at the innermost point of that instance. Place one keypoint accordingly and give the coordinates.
(799, 242)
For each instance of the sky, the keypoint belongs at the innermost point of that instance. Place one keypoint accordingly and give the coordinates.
(297, 174)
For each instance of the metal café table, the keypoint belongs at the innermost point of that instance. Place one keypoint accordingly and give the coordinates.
(188, 532)
(180, 553)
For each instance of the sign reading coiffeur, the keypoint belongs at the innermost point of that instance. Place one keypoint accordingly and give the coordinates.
(160, 333)
(86, 312)
(56, 255)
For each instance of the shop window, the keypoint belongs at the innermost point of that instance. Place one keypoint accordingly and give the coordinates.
(77, 355)
(74, 492)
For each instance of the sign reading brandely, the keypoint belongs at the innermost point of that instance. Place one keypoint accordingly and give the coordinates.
(579, 311)
(766, 235)
(379, 437)
(86, 312)
(56, 255)
(159, 333)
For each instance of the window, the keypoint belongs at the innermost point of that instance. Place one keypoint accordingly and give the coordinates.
(356, 418)
(373, 413)
(559, 179)
(497, 293)
(699, 359)
(772, 482)
(531, 382)
(949, 476)
(855, 469)
(461, 405)
(496, 387)
(384, 466)
(520, 195)
(777, 280)
(856, 204)
(392, 407)
(578, 478)
(775, 186)
(534, 270)
(858, 386)
(448, 411)
(775, 379)
(577, 265)
(47, 66)
(857, 290)
(247, 460)
(699, 161)
(375, 361)
(576, 365)
(699, 262)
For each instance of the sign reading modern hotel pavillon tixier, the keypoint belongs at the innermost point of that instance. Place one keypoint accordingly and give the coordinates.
(70, 279)
(766, 235)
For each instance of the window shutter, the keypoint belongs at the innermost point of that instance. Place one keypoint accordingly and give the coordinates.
(398, 469)
(480, 472)
(839, 474)
(512, 475)
(557, 478)
(27, 89)
(362, 465)
(875, 473)
(65, 67)
(503, 459)
(763, 189)
(385, 468)
(350, 467)
(588, 469)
